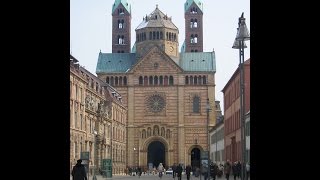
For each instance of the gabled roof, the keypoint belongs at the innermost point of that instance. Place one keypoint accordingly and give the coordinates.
(124, 3)
(155, 48)
(198, 61)
(115, 62)
(156, 19)
(189, 3)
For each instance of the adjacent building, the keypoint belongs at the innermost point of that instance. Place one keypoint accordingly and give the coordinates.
(97, 120)
(232, 123)
(217, 137)
(170, 95)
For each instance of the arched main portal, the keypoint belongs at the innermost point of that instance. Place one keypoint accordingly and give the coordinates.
(195, 158)
(156, 153)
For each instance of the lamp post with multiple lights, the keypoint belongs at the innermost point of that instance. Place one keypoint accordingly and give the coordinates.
(239, 43)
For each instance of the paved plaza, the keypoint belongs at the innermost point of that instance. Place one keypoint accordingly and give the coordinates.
(155, 177)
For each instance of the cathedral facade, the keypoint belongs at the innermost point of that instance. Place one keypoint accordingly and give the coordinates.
(170, 95)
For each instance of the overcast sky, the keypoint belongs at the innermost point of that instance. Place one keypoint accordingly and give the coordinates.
(91, 30)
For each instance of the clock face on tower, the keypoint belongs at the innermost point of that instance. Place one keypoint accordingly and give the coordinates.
(155, 103)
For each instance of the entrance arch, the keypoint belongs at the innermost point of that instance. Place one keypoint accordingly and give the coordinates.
(195, 158)
(156, 153)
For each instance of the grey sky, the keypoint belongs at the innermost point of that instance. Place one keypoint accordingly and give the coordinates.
(91, 30)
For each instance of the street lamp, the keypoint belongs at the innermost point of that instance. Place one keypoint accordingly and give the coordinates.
(208, 109)
(95, 155)
(242, 35)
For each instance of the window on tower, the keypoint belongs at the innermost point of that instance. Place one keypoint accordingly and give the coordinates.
(195, 39)
(195, 24)
(191, 39)
(196, 103)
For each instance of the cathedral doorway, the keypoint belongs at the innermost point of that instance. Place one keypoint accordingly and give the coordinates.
(156, 153)
(195, 158)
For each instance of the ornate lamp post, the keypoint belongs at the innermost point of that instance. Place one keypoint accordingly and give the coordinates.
(242, 35)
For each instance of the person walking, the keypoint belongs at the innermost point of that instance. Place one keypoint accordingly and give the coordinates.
(174, 170)
(160, 170)
(204, 170)
(179, 171)
(79, 171)
(235, 170)
(227, 169)
(188, 171)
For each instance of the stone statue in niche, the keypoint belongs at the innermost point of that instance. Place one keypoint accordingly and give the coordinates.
(149, 131)
(162, 132)
(156, 131)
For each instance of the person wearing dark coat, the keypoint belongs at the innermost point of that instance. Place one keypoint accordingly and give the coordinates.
(174, 170)
(227, 169)
(188, 171)
(179, 171)
(235, 170)
(79, 171)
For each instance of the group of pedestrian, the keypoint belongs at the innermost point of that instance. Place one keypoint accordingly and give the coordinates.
(177, 171)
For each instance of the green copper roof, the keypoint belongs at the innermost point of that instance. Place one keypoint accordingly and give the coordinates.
(183, 47)
(189, 3)
(125, 4)
(134, 48)
(198, 61)
(115, 62)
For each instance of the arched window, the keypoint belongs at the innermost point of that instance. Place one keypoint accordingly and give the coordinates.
(196, 38)
(158, 35)
(195, 24)
(195, 80)
(119, 24)
(161, 80)
(191, 23)
(170, 36)
(150, 35)
(145, 81)
(116, 81)
(122, 37)
(156, 80)
(191, 80)
(107, 80)
(140, 80)
(143, 134)
(196, 104)
(191, 39)
(150, 80)
(170, 80)
(112, 81)
(125, 80)
(122, 22)
(165, 80)
(154, 35)
(161, 35)
(204, 80)
(149, 132)
(199, 80)
(119, 38)
(120, 81)
(187, 80)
